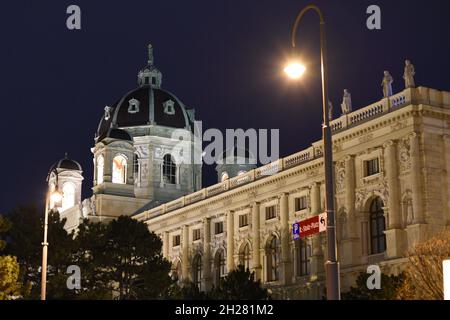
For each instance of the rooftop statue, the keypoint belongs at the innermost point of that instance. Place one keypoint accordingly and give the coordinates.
(408, 75)
(387, 84)
(346, 104)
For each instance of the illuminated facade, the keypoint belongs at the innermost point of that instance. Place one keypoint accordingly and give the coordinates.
(392, 164)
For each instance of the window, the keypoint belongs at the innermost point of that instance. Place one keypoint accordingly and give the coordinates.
(273, 258)
(68, 200)
(169, 169)
(244, 256)
(372, 167)
(196, 234)
(119, 174)
(218, 227)
(219, 266)
(100, 167)
(133, 106)
(153, 80)
(300, 203)
(243, 220)
(198, 270)
(270, 212)
(303, 255)
(377, 227)
(176, 240)
(169, 107)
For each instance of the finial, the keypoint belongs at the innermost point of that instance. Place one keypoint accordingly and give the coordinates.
(150, 54)
(66, 155)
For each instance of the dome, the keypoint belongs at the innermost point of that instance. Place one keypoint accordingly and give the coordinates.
(148, 104)
(115, 134)
(66, 164)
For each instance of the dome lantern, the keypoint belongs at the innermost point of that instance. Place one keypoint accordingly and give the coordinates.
(150, 75)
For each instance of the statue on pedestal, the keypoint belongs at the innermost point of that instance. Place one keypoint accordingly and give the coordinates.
(107, 113)
(346, 104)
(408, 75)
(330, 110)
(387, 84)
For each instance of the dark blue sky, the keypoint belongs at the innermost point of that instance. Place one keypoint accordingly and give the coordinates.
(222, 57)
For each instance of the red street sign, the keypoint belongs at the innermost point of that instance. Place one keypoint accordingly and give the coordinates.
(313, 225)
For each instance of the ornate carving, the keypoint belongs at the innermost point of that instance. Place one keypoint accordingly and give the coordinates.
(340, 176)
(404, 155)
(366, 138)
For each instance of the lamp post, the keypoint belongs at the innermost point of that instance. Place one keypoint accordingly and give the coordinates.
(295, 70)
(55, 196)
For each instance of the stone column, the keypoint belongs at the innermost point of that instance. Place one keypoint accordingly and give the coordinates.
(351, 246)
(395, 237)
(230, 241)
(286, 261)
(445, 189)
(350, 196)
(185, 254)
(393, 184)
(416, 179)
(317, 259)
(256, 259)
(166, 244)
(207, 252)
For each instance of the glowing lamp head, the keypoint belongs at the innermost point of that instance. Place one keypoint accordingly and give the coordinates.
(56, 196)
(295, 70)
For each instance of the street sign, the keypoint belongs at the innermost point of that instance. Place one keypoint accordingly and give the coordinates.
(296, 231)
(310, 226)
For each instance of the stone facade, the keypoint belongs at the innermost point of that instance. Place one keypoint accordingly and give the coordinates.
(391, 188)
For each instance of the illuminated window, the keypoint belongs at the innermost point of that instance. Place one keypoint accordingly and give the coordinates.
(119, 174)
(68, 200)
(100, 168)
(169, 169)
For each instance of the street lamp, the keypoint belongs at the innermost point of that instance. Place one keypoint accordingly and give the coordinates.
(295, 70)
(53, 197)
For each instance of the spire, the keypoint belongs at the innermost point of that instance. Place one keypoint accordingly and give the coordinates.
(66, 155)
(150, 75)
(150, 54)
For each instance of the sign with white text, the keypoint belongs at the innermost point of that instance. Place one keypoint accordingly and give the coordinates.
(309, 227)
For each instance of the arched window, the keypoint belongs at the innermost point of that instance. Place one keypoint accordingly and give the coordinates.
(377, 227)
(273, 258)
(198, 270)
(169, 169)
(68, 200)
(100, 168)
(244, 256)
(219, 266)
(119, 174)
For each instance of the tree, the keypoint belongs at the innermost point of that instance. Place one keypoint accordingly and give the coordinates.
(25, 243)
(9, 268)
(9, 276)
(240, 284)
(388, 291)
(122, 257)
(424, 274)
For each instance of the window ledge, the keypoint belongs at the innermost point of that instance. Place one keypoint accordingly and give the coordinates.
(372, 177)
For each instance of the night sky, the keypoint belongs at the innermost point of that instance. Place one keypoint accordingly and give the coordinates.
(222, 57)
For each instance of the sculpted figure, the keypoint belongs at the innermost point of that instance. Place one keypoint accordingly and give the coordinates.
(107, 113)
(408, 75)
(346, 104)
(387, 84)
